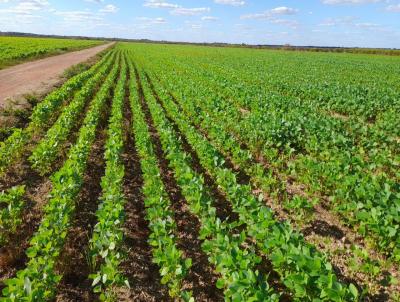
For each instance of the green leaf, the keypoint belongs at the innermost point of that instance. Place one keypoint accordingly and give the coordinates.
(353, 290)
(31, 252)
(220, 283)
(188, 263)
(27, 286)
(96, 280)
(178, 271)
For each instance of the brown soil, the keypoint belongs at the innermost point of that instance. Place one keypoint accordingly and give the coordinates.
(340, 116)
(40, 75)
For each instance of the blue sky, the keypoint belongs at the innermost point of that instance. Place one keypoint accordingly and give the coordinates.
(363, 23)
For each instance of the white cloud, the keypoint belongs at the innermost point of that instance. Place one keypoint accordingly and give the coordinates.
(160, 4)
(31, 5)
(196, 26)
(393, 8)
(182, 11)
(209, 18)
(109, 9)
(291, 23)
(242, 26)
(283, 10)
(78, 16)
(270, 14)
(146, 20)
(193, 25)
(176, 9)
(351, 22)
(339, 2)
(27, 7)
(231, 2)
(95, 1)
(367, 25)
(345, 21)
(18, 20)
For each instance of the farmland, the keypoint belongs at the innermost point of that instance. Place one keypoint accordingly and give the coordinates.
(14, 50)
(190, 173)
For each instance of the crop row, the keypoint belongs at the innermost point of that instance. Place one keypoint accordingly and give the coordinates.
(105, 244)
(12, 204)
(38, 280)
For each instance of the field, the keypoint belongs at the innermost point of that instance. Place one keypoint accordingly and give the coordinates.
(14, 50)
(188, 173)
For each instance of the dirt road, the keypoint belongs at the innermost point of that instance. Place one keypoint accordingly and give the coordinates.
(39, 76)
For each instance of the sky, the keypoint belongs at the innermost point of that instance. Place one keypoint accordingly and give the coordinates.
(348, 23)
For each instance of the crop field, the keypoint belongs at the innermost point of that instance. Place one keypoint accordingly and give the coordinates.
(14, 50)
(188, 173)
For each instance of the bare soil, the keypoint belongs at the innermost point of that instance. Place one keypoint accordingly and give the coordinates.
(41, 75)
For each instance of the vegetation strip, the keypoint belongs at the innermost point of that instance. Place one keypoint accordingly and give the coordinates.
(173, 265)
(297, 205)
(38, 280)
(105, 245)
(12, 205)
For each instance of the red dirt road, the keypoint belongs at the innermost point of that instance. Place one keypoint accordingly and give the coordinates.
(39, 76)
